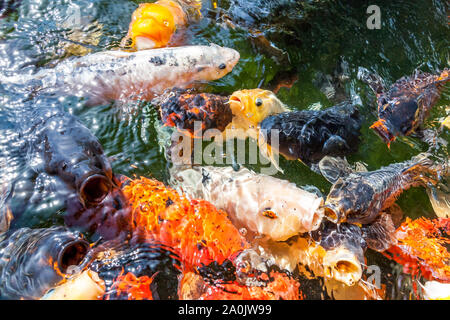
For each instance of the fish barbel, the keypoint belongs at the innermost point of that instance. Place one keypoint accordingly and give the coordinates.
(112, 75)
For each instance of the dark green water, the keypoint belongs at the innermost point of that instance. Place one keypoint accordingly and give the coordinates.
(329, 41)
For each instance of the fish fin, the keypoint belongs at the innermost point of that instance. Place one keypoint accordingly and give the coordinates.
(269, 152)
(118, 54)
(6, 215)
(334, 144)
(440, 199)
(380, 234)
(373, 80)
(333, 168)
(446, 122)
(396, 214)
(424, 170)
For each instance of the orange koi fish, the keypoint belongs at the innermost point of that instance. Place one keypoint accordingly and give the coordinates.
(422, 248)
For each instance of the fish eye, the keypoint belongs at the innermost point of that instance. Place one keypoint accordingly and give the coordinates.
(222, 66)
(258, 102)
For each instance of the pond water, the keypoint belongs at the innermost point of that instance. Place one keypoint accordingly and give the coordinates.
(322, 43)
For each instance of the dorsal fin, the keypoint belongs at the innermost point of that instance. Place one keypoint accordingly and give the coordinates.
(333, 168)
(373, 80)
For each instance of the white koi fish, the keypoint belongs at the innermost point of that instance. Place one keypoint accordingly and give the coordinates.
(105, 76)
(260, 203)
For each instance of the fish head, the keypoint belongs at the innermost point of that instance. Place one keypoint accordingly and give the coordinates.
(284, 209)
(254, 105)
(77, 157)
(108, 219)
(211, 62)
(343, 264)
(344, 247)
(398, 117)
(406, 117)
(48, 254)
(349, 200)
(153, 24)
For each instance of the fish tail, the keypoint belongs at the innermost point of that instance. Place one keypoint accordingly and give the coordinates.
(440, 200)
(433, 176)
(382, 130)
(424, 171)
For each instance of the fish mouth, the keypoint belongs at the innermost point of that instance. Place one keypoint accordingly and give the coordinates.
(144, 43)
(342, 265)
(72, 254)
(381, 129)
(94, 189)
(332, 213)
(235, 103)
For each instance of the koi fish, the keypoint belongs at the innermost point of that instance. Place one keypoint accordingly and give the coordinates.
(251, 107)
(198, 232)
(262, 204)
(182, 110)
(34, 260)
(66, 166)
(201, 235)
(153, 24)
(237, 116)
(422, 248)
(309, 135)
(359, 197)
(343, 262)
(106, 76)
(243, 109)
(333, 252)
(403, 107)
